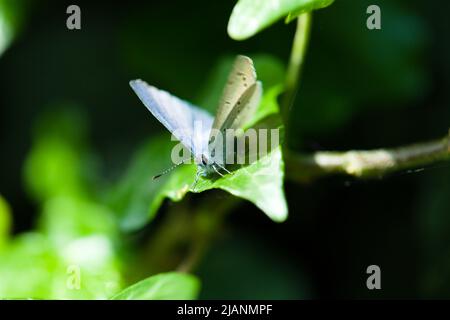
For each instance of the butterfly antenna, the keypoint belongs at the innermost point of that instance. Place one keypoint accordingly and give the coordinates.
(167, 170)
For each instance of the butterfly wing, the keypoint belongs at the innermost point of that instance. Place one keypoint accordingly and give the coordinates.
(178, 116)
(241, 78)
(244, 108)
(241, 97)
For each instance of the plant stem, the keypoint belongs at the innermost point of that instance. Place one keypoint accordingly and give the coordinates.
(208, 219)
(296, 60)
(211, 212)
(365, 163)
(184, 236)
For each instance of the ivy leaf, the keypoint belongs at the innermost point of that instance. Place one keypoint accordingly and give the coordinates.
(261, 183)
(164, 286)
(253, 182)
(5, 221)
(12, 16)
(137, 197)
(251, 16)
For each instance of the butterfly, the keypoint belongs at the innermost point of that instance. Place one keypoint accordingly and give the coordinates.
(240, 98)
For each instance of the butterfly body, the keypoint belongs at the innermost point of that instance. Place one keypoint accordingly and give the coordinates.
(205, 166)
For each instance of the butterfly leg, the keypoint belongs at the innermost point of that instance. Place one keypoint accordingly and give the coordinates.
(223, 168)
(217, 171)
(197, 175)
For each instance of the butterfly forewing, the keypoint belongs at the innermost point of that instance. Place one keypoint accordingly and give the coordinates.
(178, 116)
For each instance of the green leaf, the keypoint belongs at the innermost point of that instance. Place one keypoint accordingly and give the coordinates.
(260, 182)
(75, 240)
(251, 16)
(137, 197)
(164, 286)
(11, 16)
(66, 219)
(253, 182)
(5, 221)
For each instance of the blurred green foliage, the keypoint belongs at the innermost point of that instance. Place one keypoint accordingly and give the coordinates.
(5, 222)
(74, 228)
(77, 235)
(80, 221)
(12, 16)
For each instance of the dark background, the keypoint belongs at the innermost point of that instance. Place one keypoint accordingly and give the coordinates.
(360, 89)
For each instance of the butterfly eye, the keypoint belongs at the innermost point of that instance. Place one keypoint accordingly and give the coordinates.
(204, 160)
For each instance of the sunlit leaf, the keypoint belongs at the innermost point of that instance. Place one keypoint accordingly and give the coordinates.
(260, 182)
(5, 221)
(11, 20)
(72, 254)
(65, 219)
(27, 267)
(253, 182)
(31, 268)
(165, 286)
(251, 16)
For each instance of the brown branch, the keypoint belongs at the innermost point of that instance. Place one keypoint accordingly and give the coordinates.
(365, 163)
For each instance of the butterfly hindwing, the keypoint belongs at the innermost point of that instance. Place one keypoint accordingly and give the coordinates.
(244, 109)
(241, 97)
(241, 77)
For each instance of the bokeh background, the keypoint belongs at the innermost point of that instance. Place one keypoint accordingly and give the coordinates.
(70, 125)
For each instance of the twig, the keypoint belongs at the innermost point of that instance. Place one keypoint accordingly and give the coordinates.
(365, 163)
(208, 219)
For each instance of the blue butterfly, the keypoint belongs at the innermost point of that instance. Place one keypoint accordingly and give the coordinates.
(240, 98)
